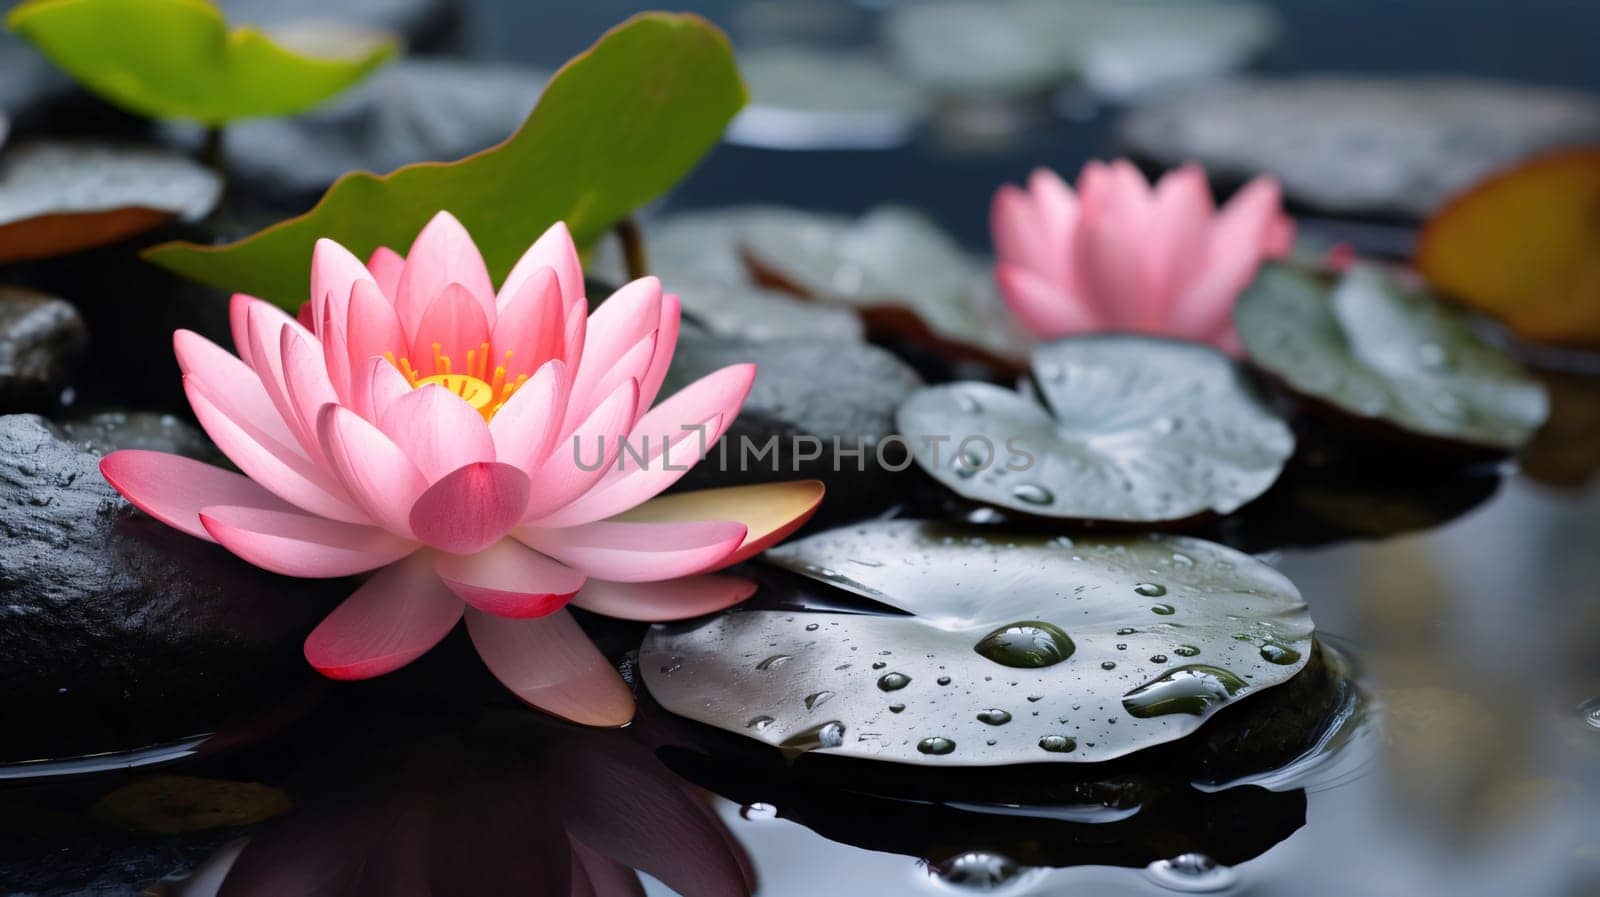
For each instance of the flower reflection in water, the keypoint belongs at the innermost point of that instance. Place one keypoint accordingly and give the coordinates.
(514, 806)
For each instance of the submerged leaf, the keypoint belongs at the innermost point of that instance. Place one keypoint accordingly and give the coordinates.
(1019, 649)
(1374, 349)
(1524, 246)
(178, 59)
(616, 127)
(56, 198)
(1132, 429)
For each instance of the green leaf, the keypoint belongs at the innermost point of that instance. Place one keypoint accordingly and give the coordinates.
(613, 130)
(177, 59)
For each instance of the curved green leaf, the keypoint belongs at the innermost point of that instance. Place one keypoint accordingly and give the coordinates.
(177, 59)
(613, 130)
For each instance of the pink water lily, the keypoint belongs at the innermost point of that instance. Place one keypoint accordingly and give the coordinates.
(1118, 254)
(491, 454)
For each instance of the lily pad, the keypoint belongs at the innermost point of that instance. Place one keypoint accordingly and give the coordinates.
(666, 84)
(903, 275)
(1017, 649)
(696, 255)
(819, 409)
(204, 71)
(1390, 355)
(1131, 429)
(57, 198)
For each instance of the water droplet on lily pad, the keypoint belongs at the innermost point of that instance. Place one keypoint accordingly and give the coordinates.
(951, 587)
(816, 699)
(976, 870)
(1192, 689)
(1030, 644)
(1033, 494)
(1165, 610)
(823, 735)
(1058, 744)
(994, 717)
(1272, 652)
(936, 745)
(1150, 589)
(893, 681)
(1191, 872)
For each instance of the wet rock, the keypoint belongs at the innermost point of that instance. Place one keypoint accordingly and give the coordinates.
(411, 111)
(1381, 147)
(118, 632)
(810, 396)
(41, 340)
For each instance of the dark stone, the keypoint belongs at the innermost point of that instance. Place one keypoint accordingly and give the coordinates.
(41, 341)
(118, 632)
(1371, 147)
(809, 395)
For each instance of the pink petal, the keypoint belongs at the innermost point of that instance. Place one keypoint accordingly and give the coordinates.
(453, 326)
(555, 251)
(1178, 238)
(279, 468)
(173, 489)
(527, 425)
(471, 508)
(1251, 220)
(670, 438)
(306, 384)
(770, 512)
(616, 328)
(438, 430)
(334, 273)
(630, 366)
(335, 351)
(296, 544)
(394, 618)
(1044, 308)
(373, 470)
(665, 343)
(531, 326)
(1019, 234)
(1106, 255)
(549, 663)
(239, 324)
(385, 386)
(443, 254)
(386, 266)
(657, 602)
(509, 579)
(638, 552)
(372, 330)
(236, 385)
(267, 325)
(1057, 210)
(576, 463)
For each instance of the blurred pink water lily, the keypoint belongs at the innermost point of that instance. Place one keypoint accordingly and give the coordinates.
(468, 445)
(1120, 255)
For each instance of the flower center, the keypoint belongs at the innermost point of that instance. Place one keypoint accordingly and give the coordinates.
(484, 390)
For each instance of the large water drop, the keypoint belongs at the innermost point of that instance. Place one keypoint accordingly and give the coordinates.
(1190, 689)
(1029, 644)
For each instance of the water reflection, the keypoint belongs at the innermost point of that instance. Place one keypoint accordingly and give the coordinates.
(510, 805)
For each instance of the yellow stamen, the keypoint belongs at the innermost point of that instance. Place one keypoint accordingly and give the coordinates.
(484, 392)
